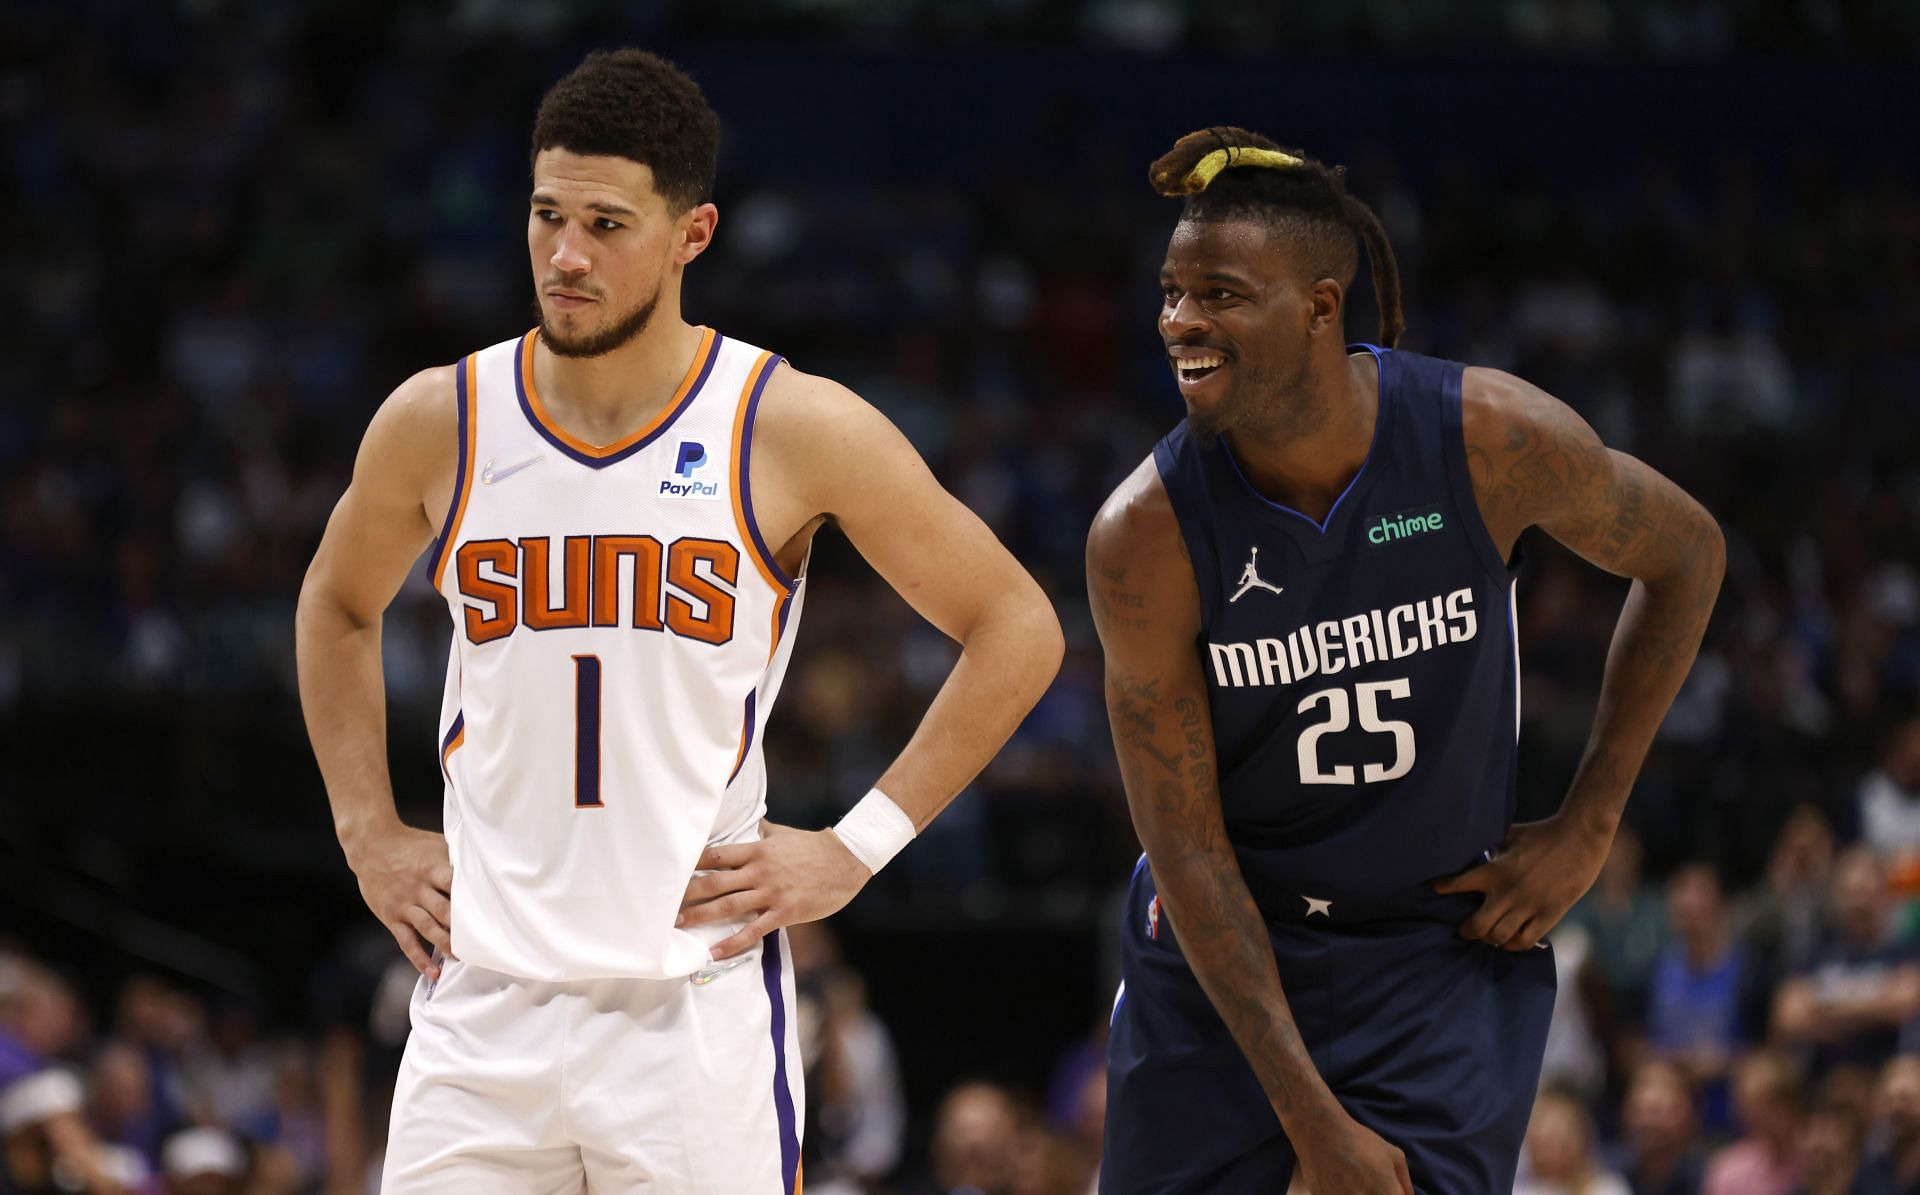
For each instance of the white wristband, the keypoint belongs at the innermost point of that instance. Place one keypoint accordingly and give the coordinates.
(875, 829)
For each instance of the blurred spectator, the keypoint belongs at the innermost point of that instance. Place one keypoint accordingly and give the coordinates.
(1899, 1113)
(128, 1169)
(1575, 1059)
(975, 1138)
(121, 1100)
(17, 1058)
(1627, 922)
(1834, 1144)
(1730, 376)
(39, 1017)
(856, 1115)
(1890, 796)
(1769, 1097)
(1086, 1127)
(161, 1024)
(1852, 1087)
(1661, 1153)
(293, 1134)
(1560, 1157)
(1850, 1004)
(1697, 1006)
(47, 1146)
(232, 1076)
(1046, 1162)
(204, 1161)
(1783, 918)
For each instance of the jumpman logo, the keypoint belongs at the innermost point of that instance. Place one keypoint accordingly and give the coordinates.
(1251, 580)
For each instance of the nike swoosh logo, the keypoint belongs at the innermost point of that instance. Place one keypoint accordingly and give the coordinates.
(489, 475)
(707, 976)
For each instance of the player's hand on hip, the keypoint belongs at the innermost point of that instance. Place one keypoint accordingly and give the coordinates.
(406, 878)
(1530, 882)
(1346, 1157)
(787, 877)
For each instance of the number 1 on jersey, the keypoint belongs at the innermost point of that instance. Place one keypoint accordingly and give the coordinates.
(586, 732)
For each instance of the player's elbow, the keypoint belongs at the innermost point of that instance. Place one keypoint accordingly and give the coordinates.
(1712, 551)
(1694, 559)
(320, 611)
(1042, 645)
(1020, 634)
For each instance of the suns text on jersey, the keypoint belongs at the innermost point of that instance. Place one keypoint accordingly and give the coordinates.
(687, 588)
(1335, 644)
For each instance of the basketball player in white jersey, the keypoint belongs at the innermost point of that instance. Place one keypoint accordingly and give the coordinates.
(619, 507)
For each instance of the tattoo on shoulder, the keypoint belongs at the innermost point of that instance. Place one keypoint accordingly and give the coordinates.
(1116, 605)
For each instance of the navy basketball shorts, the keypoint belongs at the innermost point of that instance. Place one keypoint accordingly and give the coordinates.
(1431, 1041)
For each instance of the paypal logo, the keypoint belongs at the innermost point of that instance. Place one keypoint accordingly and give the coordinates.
(691, 457)
(693, 454)
(689, 489)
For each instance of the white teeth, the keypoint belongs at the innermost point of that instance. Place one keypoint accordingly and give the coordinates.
(1193, 364)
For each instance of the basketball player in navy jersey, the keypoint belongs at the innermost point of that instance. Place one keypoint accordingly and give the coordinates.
(1334, 955)
(620, 507)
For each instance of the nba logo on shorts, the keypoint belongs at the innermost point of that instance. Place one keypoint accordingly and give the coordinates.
(1153, 918)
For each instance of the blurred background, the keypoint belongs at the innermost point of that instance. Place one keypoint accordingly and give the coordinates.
(228, 230)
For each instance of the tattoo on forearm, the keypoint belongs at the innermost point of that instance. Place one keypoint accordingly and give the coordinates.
(1171, 783)
(1617, 513)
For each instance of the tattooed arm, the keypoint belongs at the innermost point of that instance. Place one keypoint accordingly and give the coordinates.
(1147, 610)
(1536, 463)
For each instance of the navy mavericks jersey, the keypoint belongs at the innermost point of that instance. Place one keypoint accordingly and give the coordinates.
(1363, 672)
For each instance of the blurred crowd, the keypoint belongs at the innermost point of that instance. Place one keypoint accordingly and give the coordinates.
(169, 1091)
(1703, 1043)
(233, 230)
(1714, 1042)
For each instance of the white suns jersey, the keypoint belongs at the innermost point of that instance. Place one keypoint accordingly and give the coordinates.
(620, 631)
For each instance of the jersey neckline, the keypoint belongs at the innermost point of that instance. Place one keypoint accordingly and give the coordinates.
(599, 456)
(1382, 412)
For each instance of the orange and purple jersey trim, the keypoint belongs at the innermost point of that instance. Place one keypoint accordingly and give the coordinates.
(466, 400)
(599, 456)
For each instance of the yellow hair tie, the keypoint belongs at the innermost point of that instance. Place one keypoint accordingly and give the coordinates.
(1208, 168)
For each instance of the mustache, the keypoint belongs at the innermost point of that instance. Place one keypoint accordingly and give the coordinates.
(560, 282)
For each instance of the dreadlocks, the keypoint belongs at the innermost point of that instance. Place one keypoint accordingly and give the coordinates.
(1231, 173)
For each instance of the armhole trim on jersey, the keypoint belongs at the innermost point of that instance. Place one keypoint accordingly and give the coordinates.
(456, 737)
(746, 739)
(742, 466)
(599, 456)
(782, 606)
(1460, 479)
(1195, 530)
(466, 401)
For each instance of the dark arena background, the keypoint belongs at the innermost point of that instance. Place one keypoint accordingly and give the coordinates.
(230, 229)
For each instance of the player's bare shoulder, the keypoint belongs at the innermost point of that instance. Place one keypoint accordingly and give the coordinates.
(803, 415)
(411, 451)
(1528, 453)
(1137, 561)
(816, 444)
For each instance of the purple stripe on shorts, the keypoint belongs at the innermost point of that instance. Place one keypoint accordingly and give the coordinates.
(782, 1094)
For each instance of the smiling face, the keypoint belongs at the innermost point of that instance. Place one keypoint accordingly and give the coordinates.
(604, 248)
(1239, 318)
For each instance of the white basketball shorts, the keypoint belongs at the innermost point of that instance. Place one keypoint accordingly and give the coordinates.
(607, 1086)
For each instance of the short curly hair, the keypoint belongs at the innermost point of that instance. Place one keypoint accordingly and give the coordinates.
(632, 104)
